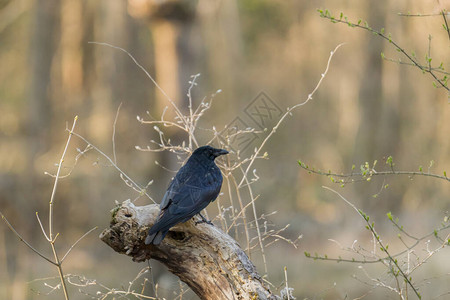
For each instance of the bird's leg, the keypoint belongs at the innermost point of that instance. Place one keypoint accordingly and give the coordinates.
(204, 220)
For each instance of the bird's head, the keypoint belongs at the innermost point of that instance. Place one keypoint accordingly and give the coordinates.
(209, 152)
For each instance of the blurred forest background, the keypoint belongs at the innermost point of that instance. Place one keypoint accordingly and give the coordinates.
(366, 109)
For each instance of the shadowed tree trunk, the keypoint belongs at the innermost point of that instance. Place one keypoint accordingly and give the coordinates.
(208, 260)
(171, 25)
(175, 40)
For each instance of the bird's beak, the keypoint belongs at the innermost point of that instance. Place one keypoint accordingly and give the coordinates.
(220, 152)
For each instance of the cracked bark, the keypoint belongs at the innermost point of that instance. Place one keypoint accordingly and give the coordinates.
(208, 260)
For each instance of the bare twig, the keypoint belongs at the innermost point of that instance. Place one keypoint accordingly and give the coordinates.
(74, 244)
(342, 19)
(177, 111)
(287, 113)
(24, 241)
(383, 248)
(286, 281)
(52, 197)
(446, 23)
(252, 198)
(135, 185)
(374, 173)
(114, 133)
(52, 239)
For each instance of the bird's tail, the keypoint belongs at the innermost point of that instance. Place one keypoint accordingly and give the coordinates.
(155, 238)
(159, 230)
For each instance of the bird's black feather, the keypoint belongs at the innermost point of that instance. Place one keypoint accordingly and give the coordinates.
(195, 185)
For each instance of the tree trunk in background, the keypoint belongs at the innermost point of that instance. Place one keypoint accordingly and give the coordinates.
(174, 40)
(170, 23)
(45, 31)
(109, 78)
(224, 57)
(367, 145)
(167, 64)
(72, 25)
(389, 136)
(371, 90)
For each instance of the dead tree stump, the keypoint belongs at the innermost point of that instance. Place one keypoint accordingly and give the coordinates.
(208, 260)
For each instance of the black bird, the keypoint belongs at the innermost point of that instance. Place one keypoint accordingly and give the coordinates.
(195, 185)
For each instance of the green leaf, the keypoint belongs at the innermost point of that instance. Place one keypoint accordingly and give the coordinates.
(389, 215)
(390, 161)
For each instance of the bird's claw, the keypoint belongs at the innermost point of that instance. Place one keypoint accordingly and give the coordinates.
(203, 220)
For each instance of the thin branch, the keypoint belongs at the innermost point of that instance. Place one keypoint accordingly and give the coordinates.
(114, 133)
(42, 227)
(141, 190)
(443, 13)
(74, 244)
(24, 241)
(50, 217)
(327, 15)
(287, 113)
(177, 111)
(241, 204)
(261, 245)
(374, 173)
(377, 237)
(52, 197)
(400, 62)
(286, 281)
(418, 15)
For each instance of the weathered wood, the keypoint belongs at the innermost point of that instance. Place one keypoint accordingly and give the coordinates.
(208, 260)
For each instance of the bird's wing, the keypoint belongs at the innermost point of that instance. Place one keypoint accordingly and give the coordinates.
(181, 178)
(191, 191)
(192, 199)
(185, 203)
